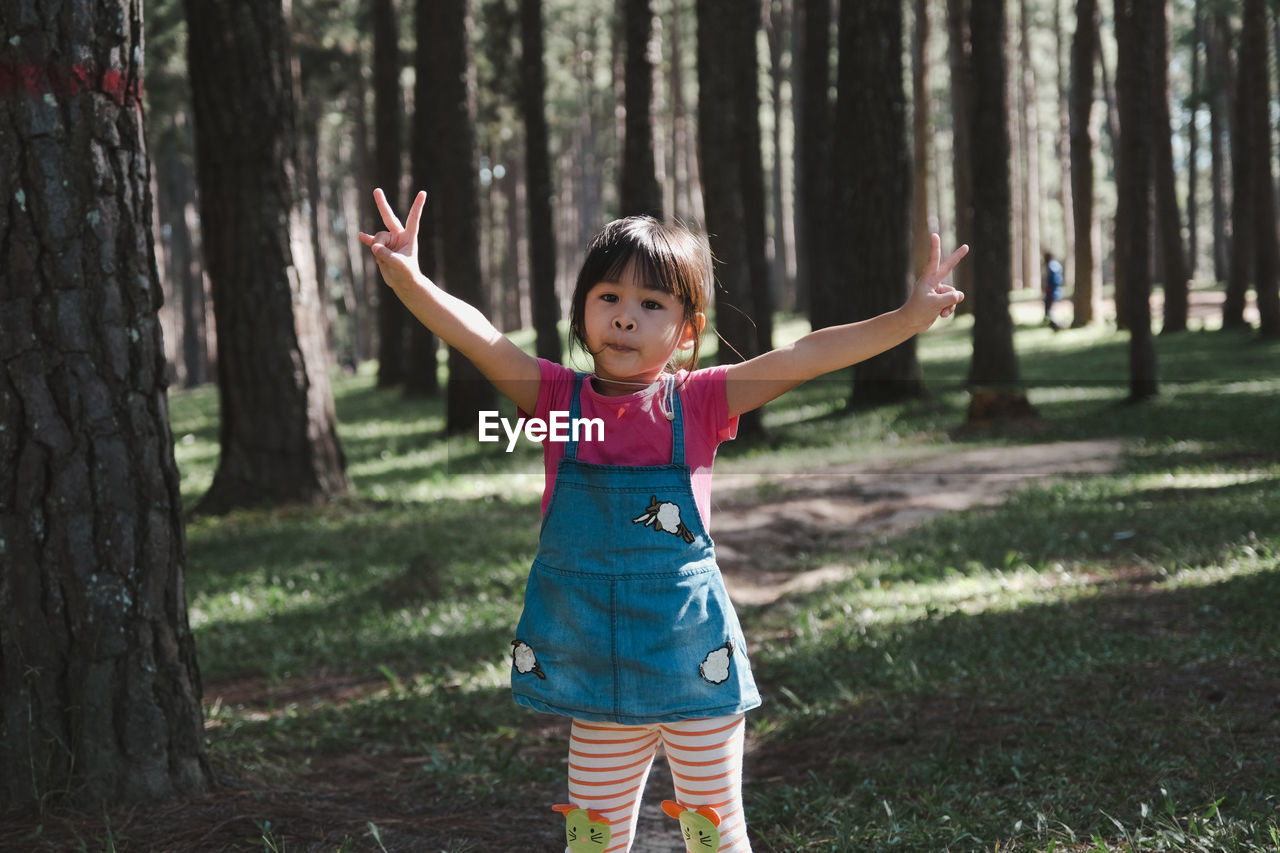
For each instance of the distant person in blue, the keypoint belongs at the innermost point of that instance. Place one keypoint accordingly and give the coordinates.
(1051, 288)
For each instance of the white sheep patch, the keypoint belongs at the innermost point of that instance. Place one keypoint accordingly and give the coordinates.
(715, 668)
(664, 517)
(524, 660)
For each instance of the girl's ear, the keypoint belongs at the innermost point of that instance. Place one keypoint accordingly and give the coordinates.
(693, 330)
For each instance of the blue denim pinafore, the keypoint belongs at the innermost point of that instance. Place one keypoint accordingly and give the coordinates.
(626, 618)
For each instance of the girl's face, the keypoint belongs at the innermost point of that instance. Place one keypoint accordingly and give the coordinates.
(632, 331)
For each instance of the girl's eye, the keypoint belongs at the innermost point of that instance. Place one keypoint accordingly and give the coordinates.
(609, 297)
(652, 305)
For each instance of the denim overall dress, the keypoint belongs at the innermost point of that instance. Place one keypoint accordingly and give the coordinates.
(626, 618)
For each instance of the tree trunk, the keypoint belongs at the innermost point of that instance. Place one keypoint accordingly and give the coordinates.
(278, 436)
(388, 105)
(1134, 70)
(1193, 142)
(1253, 211)
(1168, 232)
(781, 282)
(814, 248)
(176, 197)
(994, 368)
(1029, 127)
(1084, 52)
(358, 210)
(640, 191)
(1111, 115)
(727, 58)
(920, 148)
(960, 58)
(873, 186)
(421, 379)
(458, 200)
(99, 687)
(1219, 73)
(750, 161)
(683, 206)
(542, 243)
(1062, 146)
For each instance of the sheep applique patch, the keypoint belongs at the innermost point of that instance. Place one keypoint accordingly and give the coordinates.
(524, 660)
(700, 826)
(586, 830)
(715, 668)
(664, 516)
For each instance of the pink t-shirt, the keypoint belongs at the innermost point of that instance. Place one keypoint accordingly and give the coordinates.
(636, 429)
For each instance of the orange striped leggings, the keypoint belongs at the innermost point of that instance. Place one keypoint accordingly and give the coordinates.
(609, 764)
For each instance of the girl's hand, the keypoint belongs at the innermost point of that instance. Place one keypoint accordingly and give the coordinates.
(396, 249)
(930, 298)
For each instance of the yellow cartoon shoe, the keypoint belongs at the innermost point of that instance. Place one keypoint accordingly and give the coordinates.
(586, 830)
(700, 826)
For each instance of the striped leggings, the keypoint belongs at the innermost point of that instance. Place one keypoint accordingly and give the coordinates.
(609, 764)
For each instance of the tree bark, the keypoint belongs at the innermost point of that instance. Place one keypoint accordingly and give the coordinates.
(454, 152)
(1029, 129)
(995, 364)
(1084, 52)
(1062, 146)
(640, 191)
(960, 58)
(781, 283)
(1253, 210)
(1193, 141)
(176, 198)
(542, 241)
(726, 60)
(873, 188)
(388, 105)
(278, 437)
(1168, 232)
(1134, 71)
(421, 379)
(99, 687)
(1219, 73)
(921, 153)
(814, 248)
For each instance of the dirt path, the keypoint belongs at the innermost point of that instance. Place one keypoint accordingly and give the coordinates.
(841, 509)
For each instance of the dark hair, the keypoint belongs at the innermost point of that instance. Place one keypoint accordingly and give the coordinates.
(668, 258)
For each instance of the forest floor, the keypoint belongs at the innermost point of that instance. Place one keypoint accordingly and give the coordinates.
(347, 793)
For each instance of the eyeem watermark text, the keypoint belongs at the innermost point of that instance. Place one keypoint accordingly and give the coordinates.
(559, 427)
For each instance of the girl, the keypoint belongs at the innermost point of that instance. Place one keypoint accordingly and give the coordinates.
(627, 628)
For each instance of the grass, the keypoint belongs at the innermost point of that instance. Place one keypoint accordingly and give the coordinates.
(1090, 666)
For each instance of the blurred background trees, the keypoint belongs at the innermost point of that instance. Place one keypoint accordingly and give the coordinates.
(847, 140)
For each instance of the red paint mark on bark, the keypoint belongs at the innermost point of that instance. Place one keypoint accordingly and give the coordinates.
(29, 78)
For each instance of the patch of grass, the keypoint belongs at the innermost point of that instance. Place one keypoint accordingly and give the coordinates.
(1090, 665)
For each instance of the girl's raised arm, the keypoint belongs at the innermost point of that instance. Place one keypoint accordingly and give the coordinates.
(460, 325)
(751, 384)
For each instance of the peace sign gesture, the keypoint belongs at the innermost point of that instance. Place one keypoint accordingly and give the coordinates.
(396, 249)
(931, 298)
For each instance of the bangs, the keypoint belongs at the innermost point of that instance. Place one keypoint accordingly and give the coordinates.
(639, 250)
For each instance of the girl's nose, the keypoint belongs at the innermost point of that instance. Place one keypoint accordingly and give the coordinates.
(623, 323)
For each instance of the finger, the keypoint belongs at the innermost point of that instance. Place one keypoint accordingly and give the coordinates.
(389, 217)
(935, 251)
(954, 258)
(415, 212)
(380, 238)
